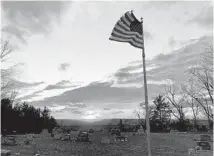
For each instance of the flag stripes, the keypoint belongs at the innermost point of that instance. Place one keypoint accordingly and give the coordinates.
(127, 35)
(128, 29)
(119, 39)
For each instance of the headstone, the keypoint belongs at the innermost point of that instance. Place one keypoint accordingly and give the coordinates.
(57, 136)
(65, 137)
(28, 139)
(201, 150)
(105, 140)
(9, 140)
(191, 152)
(5, 152)
(140, 132)
(73, 135)
(205, 137)
(120, 139)
(45, 132)
(204, 145)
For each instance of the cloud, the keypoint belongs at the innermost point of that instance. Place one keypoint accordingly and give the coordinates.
(94, 92)
(66, 108)
(73, 110)
(56, 108)
(91, 113)
(61, 85)
(22, 19)
(16, 85)
(133, 73)
(204, 18)
(64, 66)
(29, 96)
(100, 94)
(118, 112)
(19, 34)
(112, 94)
(106, 109)
(44, 91)
(77, 105)
(131, 67)
(77, 112)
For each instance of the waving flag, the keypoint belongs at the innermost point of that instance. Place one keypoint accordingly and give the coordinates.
(128, 29)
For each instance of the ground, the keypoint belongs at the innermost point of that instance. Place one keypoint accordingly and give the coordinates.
(162, 145)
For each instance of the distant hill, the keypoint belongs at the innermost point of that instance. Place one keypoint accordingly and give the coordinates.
(103, 122)
(72, 122)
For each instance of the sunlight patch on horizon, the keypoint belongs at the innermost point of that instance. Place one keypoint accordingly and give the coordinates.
(91, 115)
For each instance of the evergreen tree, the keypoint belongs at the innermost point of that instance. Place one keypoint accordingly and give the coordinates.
(161, 115)
(24, 118)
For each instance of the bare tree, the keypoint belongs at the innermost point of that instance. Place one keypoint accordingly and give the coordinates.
(177, 100)
(139, 114)
(207, 58)
(200, 99)
(191, 102)
(7, 73)
(6, 50)
(203, 80)
(202, 84)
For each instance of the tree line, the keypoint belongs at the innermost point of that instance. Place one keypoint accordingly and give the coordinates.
(160, 118)
(196, 94)
(24, 118)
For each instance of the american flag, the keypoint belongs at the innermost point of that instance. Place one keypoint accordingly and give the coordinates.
(128, 29)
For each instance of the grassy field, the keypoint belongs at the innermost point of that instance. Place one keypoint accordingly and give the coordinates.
(162, 145)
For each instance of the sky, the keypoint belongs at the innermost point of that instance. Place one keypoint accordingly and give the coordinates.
(67, 63)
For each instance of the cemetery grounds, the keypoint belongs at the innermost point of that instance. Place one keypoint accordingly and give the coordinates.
(163, 144)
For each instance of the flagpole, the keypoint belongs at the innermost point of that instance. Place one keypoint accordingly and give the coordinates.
(146, 96)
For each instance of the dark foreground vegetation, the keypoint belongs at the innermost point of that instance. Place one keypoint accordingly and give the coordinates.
(24, 118)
